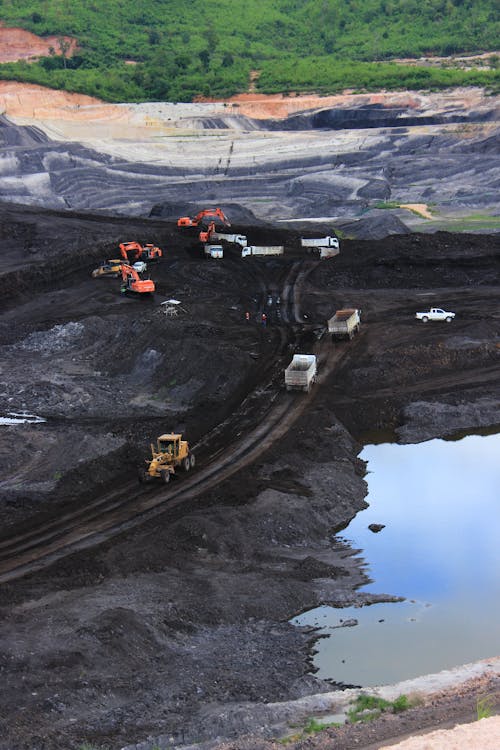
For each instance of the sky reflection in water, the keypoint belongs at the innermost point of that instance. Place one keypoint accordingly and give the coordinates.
(440, 549)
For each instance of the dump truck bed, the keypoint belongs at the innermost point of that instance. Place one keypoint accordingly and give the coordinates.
(301, 372)
(344, 323)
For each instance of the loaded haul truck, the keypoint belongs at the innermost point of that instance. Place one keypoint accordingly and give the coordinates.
(325, 247)
(259, 250)
(301, 372)
(235, 239)
(344, 324)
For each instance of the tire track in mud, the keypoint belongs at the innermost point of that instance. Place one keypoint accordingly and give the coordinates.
(128, 506)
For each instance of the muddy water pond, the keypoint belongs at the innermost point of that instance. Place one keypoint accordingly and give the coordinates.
(439, 502)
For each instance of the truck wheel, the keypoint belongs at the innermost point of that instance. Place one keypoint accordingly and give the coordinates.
(449, 319)
(165, 476)
(193, 460)
(425, 319)
(186, 463)
(143, 475)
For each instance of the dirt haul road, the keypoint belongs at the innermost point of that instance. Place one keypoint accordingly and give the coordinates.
(174, 625)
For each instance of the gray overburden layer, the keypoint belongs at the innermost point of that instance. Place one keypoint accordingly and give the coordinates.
(332, 164)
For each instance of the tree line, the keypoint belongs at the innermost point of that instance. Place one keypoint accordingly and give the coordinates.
(165, 50)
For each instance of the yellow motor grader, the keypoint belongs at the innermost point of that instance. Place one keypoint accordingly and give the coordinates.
(170, 452)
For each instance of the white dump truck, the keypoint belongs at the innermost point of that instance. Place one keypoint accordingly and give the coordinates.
(325, 247)
(214, 251)
(320, 242)
(435, 313)
(235, 239)
(301, 372)
(344, 324)
(328, 252)
(260, 250)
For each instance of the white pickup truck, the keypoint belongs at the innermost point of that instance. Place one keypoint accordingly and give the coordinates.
(435, 313)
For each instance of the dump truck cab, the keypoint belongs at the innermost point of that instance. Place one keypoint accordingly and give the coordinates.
(170, 452)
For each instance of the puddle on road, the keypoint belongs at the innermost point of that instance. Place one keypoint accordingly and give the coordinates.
(440, 549)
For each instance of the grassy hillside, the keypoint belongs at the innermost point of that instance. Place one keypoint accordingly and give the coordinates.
(171, 50)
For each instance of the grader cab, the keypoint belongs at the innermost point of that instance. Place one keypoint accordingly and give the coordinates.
(169, 453)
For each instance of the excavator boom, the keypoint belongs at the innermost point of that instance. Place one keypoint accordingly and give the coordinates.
(148, 252)
(207, 213)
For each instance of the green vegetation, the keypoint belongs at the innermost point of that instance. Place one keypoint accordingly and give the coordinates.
(312, 726)
(162, 50)
(486, 706)
(370, 707)
(387, 204)
(473, 223)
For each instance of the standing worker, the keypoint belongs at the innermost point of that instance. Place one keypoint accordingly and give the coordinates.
(247, 316)
(264, 319)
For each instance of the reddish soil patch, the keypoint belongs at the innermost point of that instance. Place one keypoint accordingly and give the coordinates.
(18, 44)
(31, 100)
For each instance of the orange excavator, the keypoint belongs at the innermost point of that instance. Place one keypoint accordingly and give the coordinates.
(205, 236)
(187, 221)
(132, 282)
(139, 252)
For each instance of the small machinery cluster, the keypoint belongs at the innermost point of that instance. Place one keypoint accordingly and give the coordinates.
(130, 266)
(171, 452)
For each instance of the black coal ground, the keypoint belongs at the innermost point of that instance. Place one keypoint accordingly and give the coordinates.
(178, 628)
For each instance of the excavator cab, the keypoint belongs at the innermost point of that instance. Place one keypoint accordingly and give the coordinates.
(133, 283)
(150, 252)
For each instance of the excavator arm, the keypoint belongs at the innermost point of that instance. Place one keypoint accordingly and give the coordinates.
(148, 252)
(129, 247)
(134, 283)
(187, 221)
(205, 236)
